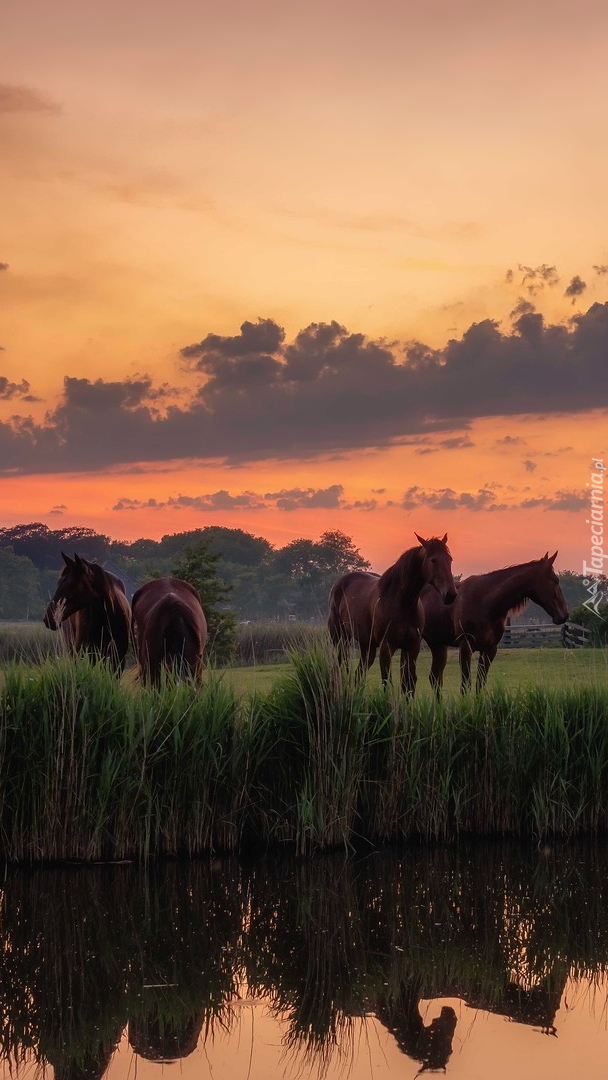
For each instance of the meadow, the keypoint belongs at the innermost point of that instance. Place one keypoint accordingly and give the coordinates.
(296, 755)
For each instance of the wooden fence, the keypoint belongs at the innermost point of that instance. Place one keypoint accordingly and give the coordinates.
(526, 636)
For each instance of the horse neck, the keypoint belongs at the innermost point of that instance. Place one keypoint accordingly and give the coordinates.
(511, 589)
(405, 577)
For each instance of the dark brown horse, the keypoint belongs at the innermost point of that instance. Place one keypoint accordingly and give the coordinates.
(384, 612)
(476, 620)
(170, 629)
(91, 607)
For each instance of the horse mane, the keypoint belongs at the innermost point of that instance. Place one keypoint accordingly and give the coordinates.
(107, 585)
(503, 572)
(399, 572)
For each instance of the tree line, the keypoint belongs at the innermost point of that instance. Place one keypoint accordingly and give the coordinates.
(234, 571)
(230, 567)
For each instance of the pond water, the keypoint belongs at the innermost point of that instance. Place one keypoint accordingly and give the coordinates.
(482, 960)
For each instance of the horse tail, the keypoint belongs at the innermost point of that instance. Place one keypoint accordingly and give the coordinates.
(183, 637)
(334, 621)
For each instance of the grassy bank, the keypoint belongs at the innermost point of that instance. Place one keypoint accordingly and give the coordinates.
(91, 769)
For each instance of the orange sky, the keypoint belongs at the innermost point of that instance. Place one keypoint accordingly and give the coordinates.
(223, 176)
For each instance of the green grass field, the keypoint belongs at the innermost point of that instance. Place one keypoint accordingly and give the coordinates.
(512, 669)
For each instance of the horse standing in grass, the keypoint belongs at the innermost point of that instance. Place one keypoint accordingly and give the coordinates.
(91, 607)
(383, 612)
(476, 620)
(170, 629)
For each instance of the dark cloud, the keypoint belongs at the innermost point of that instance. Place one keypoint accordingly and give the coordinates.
(20, 99)
(601, 269)
(457, 442)
(301, 499)
(535, 278)
(448, 499)
(295, 499)
(570, 501)
(576, 288)
(509, 276)
(3, 266)
(264, 336)
(10, 390)
(511, 440)
(529, 466)
(326, 392)
(522, 307)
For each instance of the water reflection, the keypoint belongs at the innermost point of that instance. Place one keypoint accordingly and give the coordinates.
(88, 953)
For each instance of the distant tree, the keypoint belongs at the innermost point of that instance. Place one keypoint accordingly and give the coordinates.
(44, 546)
(237, 547)
(19, 586)
(198, 565)
(311, 567)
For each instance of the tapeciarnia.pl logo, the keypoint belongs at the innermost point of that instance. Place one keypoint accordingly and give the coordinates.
(596, 520)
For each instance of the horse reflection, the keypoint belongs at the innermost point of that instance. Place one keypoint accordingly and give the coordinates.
(166, 1039)
(429, 1044)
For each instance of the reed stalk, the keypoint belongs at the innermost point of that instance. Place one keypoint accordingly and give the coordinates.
(94, 768)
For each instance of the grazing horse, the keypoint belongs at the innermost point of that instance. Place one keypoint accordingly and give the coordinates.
(384, 612)
(170, 629)
(91, 607)
(476, 620)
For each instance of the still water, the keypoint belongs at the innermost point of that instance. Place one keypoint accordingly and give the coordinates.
(477, 961)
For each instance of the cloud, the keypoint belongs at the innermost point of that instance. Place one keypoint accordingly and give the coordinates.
(522, 307)
(536, 277)
(328, 390)
(448, 499)
(10, 390)
(570, 501)
(576, 288)
(529, 466)
(20, 99)
(3, 266)
(295, 499)
(601, 269)
(299, 499)
(511, 440)
(457, 442)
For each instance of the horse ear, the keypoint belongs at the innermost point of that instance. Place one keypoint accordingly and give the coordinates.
(546, 555)
(420, 540)
(66, 559)
(553, 558)
(444, 538)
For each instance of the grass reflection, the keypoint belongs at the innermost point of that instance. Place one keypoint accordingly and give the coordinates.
(90, 952)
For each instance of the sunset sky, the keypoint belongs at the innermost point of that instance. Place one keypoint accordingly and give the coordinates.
(290, 266)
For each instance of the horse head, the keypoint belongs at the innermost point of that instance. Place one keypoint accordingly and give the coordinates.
(437, 566)
(546, 591)
(75, 589)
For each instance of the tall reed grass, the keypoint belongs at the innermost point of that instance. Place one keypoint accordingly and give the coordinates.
(92, 768)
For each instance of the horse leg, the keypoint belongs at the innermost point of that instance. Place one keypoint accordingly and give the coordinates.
(409, 677)
(486, 657)
(368, 655)
(466, 654)
(439, 659)
(339, 639)
(386, 655)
